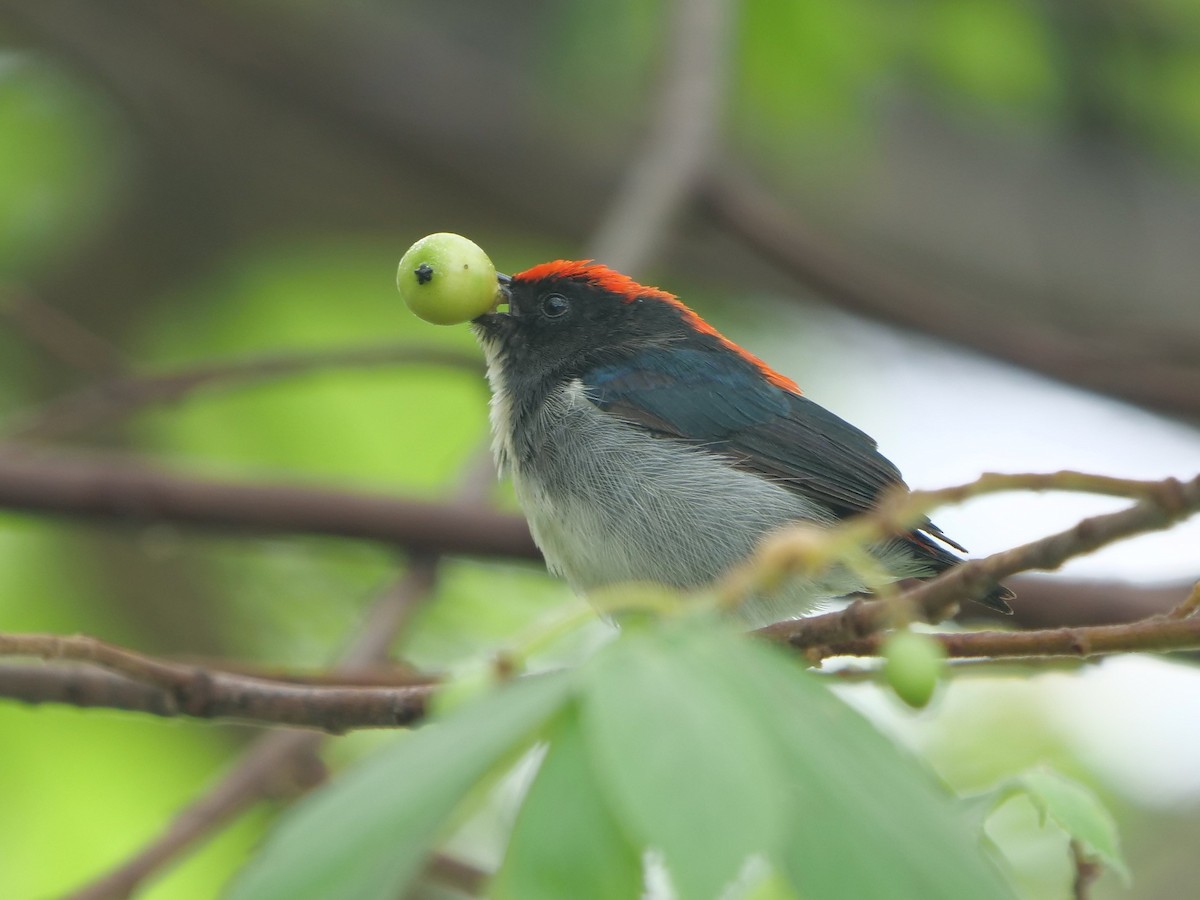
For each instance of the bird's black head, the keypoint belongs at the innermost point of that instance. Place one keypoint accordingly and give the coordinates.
(564, 317)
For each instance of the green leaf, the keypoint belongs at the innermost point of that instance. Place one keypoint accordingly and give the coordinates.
(976, 809)
(566, 842)
(687, 769)
(1078, 812)
(868, 821)
(366, 835)
(995, 52)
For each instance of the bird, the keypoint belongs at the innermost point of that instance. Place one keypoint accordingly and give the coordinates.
(645, 446)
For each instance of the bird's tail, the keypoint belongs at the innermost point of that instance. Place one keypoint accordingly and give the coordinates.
(997, 598)
(940, 559)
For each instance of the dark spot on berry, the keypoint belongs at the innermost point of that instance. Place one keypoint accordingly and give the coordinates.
(424, 273)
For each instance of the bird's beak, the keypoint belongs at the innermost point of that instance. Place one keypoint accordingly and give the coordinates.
(504, 293)
(498, 317)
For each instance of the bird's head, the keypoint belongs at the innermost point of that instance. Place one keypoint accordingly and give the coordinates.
(566, 316)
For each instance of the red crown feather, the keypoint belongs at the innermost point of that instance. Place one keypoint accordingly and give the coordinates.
(614, 282)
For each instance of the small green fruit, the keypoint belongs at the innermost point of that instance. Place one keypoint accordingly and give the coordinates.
(446, 279)
(913, 664)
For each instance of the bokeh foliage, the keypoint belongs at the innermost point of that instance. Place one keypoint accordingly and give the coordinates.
(808, 78)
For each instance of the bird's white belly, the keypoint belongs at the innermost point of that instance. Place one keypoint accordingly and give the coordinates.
(614, 504)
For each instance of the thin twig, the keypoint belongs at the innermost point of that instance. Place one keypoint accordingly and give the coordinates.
(112, 401)
(1157, 635)
(257, 775)
(1165, 503)
(862, 285)
(338, 708)
(1087, 870)
(1054, 602)
(81, 648)
(83, 687)
(1169, 502)
(271, 767)
(390, 674)
(277, 761)
(60, 335)
(208, 694)
(897, 514)
(684, 123)
(243, 786)
(1189, 606)
(960, 668)
(130, 490)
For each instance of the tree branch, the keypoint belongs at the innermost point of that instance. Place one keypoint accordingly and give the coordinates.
(1087, 870)
(83, 687)
(127, 489)
(118, 398)
(289, 756)
(1164, 504)
(352, 154)
(1111, 364)
(280, 761)
(59, 334)
(186, 690)
(1152, 635)
(684, 123)
(1052, 602)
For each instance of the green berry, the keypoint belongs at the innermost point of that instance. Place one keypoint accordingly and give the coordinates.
(446, 279)
(913, 664)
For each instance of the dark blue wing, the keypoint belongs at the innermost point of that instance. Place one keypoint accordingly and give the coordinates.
(720, 401)
(715, 399)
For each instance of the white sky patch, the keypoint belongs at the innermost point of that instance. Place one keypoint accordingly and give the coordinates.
(944, 417)
(1136, 721)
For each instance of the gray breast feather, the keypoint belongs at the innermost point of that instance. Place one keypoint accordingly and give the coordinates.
(603, 510)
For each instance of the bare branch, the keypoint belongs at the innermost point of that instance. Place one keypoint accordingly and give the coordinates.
(1189, 606)
(1050, 602)
(684, 124)
(84, 687)
(129, 490)
(1171, 502)
(1087, 870)
(1164, 504)
(59, 334)
(322, 707)
(278, 761)
(1022, 667)
(211, 694)
(115, 400)
(179, 688)
(871, 288)
(352, 101)
(287, 757)
(1150, 636)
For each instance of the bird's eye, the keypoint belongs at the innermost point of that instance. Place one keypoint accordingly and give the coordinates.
(555, 305)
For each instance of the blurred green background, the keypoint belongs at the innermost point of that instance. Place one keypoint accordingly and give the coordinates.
(192, 182)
